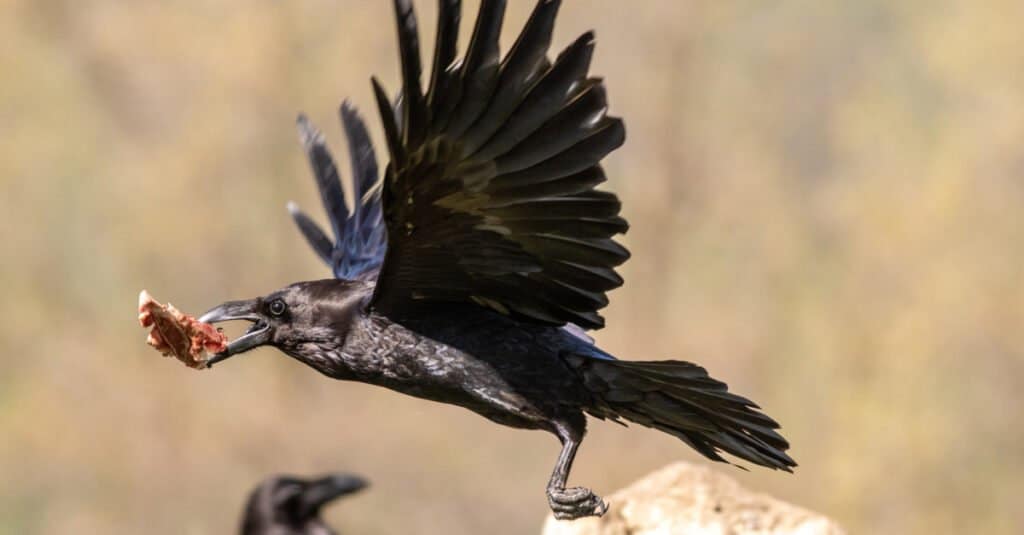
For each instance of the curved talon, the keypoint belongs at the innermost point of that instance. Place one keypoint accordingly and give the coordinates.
(575, 502)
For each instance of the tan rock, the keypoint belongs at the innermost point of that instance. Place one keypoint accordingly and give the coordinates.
(695, 500)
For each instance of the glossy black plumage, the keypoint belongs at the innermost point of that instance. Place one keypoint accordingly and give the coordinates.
(444, 191)
(498, 250)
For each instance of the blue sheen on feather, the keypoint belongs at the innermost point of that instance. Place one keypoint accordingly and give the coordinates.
(360, 237)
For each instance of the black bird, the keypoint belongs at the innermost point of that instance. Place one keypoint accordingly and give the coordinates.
(286, 505)
(468, 275)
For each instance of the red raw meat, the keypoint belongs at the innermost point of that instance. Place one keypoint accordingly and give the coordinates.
(177, 334)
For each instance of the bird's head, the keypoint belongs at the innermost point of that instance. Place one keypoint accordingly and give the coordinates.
(290, 505)
(302, 320)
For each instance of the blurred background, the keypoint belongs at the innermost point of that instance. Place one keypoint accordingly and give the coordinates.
(825, 201)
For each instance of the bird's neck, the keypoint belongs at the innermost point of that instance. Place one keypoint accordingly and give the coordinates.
(381, 352)
(357, 356)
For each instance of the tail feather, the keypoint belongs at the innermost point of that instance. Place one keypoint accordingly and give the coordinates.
(680, 399)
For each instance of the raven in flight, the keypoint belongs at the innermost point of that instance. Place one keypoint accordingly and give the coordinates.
(285, 505)
(470, 272)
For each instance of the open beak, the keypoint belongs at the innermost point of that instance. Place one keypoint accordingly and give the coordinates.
(328, 488)
(247, 310)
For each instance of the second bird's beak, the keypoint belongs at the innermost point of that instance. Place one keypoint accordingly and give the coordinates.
(247, 310)
(328, 488)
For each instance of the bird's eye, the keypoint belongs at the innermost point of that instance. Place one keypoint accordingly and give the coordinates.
(277, 308)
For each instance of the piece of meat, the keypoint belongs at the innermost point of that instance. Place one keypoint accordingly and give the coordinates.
(177, 334)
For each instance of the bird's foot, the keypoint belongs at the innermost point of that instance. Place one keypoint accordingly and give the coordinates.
(575, 502)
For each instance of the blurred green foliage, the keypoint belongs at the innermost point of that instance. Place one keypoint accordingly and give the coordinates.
(826, 207)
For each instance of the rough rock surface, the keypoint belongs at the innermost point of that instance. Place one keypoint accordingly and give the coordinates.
(695, 500)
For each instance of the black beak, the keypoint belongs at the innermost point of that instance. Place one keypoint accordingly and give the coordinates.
(319, 492)
(248, 310)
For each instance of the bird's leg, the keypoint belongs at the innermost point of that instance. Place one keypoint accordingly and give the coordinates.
(575, 502)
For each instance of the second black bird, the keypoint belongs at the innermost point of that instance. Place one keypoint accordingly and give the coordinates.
(288, 505)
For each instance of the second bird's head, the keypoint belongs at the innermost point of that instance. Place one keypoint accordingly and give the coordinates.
(304, 320)
(287, 505)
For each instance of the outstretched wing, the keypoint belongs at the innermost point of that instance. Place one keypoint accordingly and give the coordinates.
(357, 249)
(489, 196)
